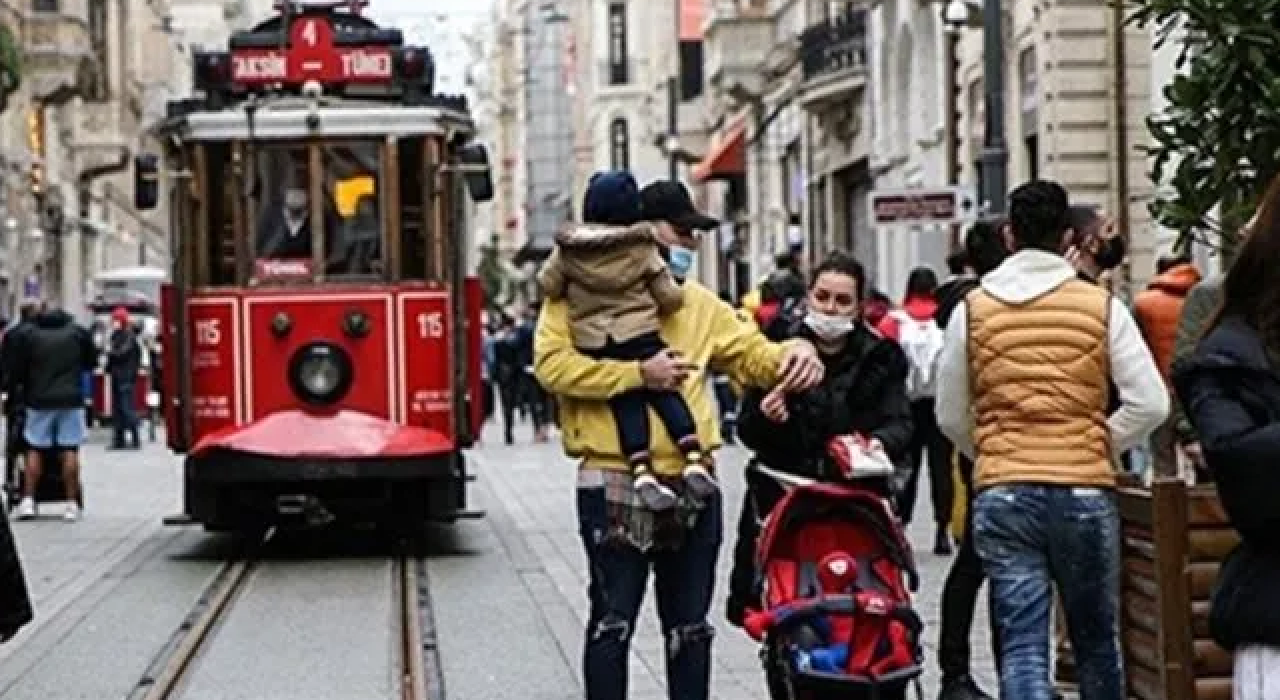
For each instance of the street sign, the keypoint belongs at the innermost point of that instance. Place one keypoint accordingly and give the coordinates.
(922, 205)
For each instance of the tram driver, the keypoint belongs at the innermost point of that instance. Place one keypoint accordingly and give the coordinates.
(286, 233)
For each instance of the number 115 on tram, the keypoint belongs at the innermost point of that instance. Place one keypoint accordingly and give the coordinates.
(324, 322)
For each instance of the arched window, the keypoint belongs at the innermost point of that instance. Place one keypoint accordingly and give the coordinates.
(619, 145)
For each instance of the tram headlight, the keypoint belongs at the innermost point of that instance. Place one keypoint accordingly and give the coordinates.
(321, 373)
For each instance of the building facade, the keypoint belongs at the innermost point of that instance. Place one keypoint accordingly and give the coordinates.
(95, 74)
(787, 166)
(501, 109)
(1077, 91)
(908, 63)
(637, 88)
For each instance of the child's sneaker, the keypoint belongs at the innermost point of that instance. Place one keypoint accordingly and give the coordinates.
(26, 509)
(653, 493)
(699, 479)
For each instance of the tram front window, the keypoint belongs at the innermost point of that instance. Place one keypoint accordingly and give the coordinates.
(351, 179)
(350, 226)
(284, 229)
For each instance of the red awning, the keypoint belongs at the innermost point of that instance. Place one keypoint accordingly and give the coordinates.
(728, 154)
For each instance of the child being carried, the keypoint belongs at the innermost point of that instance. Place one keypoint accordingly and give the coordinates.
(618, 287)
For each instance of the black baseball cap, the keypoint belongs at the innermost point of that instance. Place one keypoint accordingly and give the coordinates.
(669, 201)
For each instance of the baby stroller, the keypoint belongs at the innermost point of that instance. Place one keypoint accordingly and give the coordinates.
(836, 619)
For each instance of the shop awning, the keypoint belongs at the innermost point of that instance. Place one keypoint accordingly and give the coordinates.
(728, 154)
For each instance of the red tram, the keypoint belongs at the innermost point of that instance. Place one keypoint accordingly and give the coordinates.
(324, 325)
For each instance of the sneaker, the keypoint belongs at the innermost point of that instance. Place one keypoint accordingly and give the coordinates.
(700, 481)
(653, 493)
(26, 509)
(962, 688)
(72, 514)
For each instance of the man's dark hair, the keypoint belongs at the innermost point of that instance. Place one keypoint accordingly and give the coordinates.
(1083, 218)
(1038, 214)
(921, 283)
(957, 262)
(879, 296)
(985, 246)
(786, 261)
(844, 264)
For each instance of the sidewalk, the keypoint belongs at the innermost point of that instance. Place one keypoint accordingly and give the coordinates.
(126, 493)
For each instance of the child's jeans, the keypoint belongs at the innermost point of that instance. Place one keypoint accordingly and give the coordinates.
(630, 410)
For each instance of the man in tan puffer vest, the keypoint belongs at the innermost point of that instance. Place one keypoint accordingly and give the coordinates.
(1023, 390)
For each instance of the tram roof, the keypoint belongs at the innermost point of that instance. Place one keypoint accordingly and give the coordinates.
(294, 121)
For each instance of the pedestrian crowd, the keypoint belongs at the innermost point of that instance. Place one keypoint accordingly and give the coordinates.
(1025, 387)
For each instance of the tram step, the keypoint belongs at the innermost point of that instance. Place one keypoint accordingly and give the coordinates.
(179, 519)
(470, 515)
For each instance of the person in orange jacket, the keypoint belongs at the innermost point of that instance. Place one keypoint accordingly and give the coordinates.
(1157, 310)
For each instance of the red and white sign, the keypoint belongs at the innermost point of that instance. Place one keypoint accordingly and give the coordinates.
(282, 268)
(427, 361)
(311, 56)
(921, 206)
(215, 364)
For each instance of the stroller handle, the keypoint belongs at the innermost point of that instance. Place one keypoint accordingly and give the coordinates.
(790, 481)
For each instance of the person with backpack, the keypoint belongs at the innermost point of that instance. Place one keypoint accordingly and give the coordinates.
(920, 337)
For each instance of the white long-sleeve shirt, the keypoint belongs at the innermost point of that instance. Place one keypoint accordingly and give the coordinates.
(1028, 275)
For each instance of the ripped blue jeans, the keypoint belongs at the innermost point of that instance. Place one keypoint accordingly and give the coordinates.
(619, 574)
(1033, 539)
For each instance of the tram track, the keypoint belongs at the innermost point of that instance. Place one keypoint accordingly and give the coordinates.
(416, 670)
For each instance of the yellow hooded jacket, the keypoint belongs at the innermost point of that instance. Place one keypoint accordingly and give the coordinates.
(705, 331)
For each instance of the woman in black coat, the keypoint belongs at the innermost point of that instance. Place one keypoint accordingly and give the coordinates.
(15, 604)
(864, 392)
(1230, 387)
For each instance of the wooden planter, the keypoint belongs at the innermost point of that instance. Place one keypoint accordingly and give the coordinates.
(1174, 538)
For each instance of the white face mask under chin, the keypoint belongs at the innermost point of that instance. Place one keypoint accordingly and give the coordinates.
(828, 327)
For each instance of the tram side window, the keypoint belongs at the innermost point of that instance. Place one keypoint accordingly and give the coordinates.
(351, 177)
(413, 244)
(221, 252)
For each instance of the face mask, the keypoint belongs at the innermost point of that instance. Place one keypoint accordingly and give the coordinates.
(828, 327)
(681, 261)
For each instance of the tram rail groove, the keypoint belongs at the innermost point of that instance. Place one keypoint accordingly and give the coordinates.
(419, 670)
(168, 669)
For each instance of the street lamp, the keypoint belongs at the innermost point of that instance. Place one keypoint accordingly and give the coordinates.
(995, 151)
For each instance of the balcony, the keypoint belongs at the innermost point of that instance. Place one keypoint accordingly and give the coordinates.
(58, 60)
(736, 38)
(833, 59)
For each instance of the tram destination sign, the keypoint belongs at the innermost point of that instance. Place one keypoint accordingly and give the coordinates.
(923, 206)
(311, 56)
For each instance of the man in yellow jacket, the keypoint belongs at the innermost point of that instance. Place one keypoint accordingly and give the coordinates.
(623, 540)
